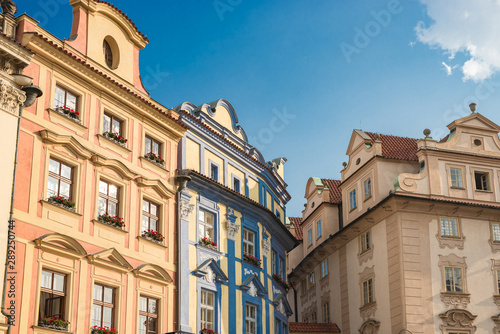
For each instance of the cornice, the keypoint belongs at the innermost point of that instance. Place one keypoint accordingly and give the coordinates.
(68, 141)
(116, 165)
(157, 185)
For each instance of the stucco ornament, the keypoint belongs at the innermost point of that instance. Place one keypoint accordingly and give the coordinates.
(369, 327)
(210, 276)
(186, 209)
(11, 98)
(266, 245)
(455, 299)
(252, 291)
(457, 319)
(232, 229)
(248, 271)
(281, 307)
(206, 256)
(8, 7)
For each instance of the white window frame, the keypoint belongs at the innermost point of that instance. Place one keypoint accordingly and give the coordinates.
(249, 320)
(247, 243)
(204, 308)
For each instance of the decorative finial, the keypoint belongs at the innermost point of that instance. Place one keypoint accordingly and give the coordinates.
(472, 107)
(344, 164)
(377, 136)
(9, 8)
(427, 133)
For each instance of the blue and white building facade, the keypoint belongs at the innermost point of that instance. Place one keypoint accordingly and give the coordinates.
(232, 235)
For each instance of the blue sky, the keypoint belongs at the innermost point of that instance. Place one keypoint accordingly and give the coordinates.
(419, 65)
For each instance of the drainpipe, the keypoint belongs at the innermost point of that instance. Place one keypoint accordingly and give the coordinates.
(32, 93)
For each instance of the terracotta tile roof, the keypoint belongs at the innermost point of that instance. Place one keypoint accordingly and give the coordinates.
(233, 145)
(312, 328)
(84, 63)
(335, 192)
(444, 139)
(398, 148)
(125, 16)
(296, 221)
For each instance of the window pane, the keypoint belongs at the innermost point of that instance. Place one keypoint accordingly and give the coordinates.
(142, 324)
(156, 148)
(59, 97)
(59, 282)
(112, 208)
(454, 227)
(71, 101)
(97, 311)
(106, 123)
(107, 316)
(152, 225)
(65, 190)
(116, 126)
(102, 206)
(152, 325)
(66, 171)
(143, 304)
(145, 223)
(108, 295)
(98, 292)
(496, 231)
(210, 219)
(113, 191)
(46, 280)
(52, 186)
(148, 145)
(154, 210)
(458, 279)
(103, 187)
(54, 166)
(152, 306)
(145, 206)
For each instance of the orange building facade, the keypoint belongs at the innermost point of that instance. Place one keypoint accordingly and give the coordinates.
(95, 204)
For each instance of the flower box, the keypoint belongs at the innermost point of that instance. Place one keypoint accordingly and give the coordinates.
(53, 323)
(208, 331)
(115, 137)
(103, 330)
(154, 236)
(281, 282)
(251, 259)
(206, 242)
(62, 202)
(155, 159)
(69, 113)
(114, 221)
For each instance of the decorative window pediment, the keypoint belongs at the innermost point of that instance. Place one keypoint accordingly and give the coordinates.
(459, 320)
(115, 165)
(156, 185)
(253, 286)
(60, 244)
(68, 141)
(152, 272)
(211, 272)
(110, 258)
(281, 305)
(369, 327)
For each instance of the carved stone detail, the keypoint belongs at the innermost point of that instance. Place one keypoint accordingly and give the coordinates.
(450, 242)
(369, 327)
(232, 229)
(11, 98)
(248, 271)
(252, 291)
(266, 246)
(368, 311)
(496, 300)
(455, 298)
(405, 331)
(281, 307)
(210, 276)
(205, 256)
(457, 320)
(495, 246)
(365, 256)
(496, 320)
(186, 209)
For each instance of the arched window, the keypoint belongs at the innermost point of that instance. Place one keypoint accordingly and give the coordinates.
(108, 54)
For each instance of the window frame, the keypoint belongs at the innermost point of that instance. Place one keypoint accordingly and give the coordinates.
(365, 197)
(247, 242)
(453, 268)
(104, 304)
(319, 232)
(150, 215)
(326, 312)
(236, 181)
(153, 141)
(107, 197)
(66, 92)
(64, 294)
(488, 180)
(367, 292)
(200, 223)
(309, 237)
(458, 229)
(365, 243)
(324, 268)
(211, 167)
(148, 315)
(112, 118)
(251, 320)
(214, 309)
(462, 179)
(61, 178)
(311, 280)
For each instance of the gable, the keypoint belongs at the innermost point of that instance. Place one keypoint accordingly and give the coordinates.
(110, 258)
(211, 272)
(253, 286)
(60, 244)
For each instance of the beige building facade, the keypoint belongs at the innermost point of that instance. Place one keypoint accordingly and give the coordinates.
(414, 246)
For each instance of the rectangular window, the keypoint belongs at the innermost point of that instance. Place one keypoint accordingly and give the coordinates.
(103, 306)
(152, 146)
(250, 319)
(111, 124)
(282, 267)
(449, 227)
(453, 279)
(274, 264)
(303, 286)
(150, 216)
(108, 198)
(313, 318)
(365, 241)
(206, 225)
(64, 98)
(318, 229)
(368, 291)
(456, 177)
(60, 180)
(367, 186)
(285, 328)
(52, 294)
(482, 181)
(326, 312)
(214, 172)
(236, 185)
(498, 282)
(277, 325)
(495, 227)
(324, 268)
(148, 315)
(248, 242)
(207, 309)
(352, 200)
(311, 280)
(309, 237)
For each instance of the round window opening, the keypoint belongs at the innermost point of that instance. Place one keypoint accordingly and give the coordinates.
(111, 52)
(477, 142)
(358, 161)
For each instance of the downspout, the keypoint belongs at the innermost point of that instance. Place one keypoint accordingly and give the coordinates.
(295, 304)
(32, 93)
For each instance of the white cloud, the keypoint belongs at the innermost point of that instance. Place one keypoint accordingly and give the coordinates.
(468, 27)
(448, 68)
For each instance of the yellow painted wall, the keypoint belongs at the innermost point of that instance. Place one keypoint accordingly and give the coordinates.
(192, 155)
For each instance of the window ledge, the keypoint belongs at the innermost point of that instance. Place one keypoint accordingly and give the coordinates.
(252, 264)
(368, 310)
(46, 330)
(155, 167)
(353, 209)
(108, 143)
(451, 242)
(484, 191)
(152, 242)
(60, 209)
(367, 198)
(459, 188)
(455, 298)
(208, 249)
(61, 119)
(109, 226)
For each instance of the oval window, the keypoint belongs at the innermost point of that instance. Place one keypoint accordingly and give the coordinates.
(108, 54)
(111, 52)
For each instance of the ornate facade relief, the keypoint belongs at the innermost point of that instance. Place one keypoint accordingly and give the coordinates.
(186, 209)
(232, 229)
(369, 327)
(252, 291)
(455, 298)
(266, 245)
(457, 320)
(11, 98)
